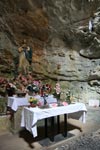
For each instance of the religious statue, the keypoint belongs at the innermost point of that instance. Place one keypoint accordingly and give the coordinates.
(91, 25)
(25, 57)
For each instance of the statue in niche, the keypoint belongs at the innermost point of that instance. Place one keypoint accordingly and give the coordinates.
(91, 24)
(25, 57)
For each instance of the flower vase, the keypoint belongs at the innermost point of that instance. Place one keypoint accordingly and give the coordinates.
(33, 105)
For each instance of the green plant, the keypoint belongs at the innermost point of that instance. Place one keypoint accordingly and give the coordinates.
(68, 97)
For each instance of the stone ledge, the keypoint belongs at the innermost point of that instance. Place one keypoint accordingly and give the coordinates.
(76, 123)
(4, 123)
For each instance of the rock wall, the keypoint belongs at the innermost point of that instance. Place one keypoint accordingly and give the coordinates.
(63, 47)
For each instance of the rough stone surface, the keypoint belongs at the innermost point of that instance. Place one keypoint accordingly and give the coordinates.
(58, 33)
(4, 123)
(85, 142)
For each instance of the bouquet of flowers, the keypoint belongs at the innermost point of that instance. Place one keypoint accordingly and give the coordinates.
(69, 97)
(33, 101)
(57, 91)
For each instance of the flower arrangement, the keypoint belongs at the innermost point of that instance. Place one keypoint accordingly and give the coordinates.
(69, 97)
(33, 101)
(57, 91)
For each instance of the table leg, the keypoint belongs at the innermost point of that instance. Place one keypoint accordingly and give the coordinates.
(58, 124)
(46, 128)
(65, 125)
(52, 128)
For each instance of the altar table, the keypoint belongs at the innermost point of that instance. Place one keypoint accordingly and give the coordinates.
(30, 116)
(16, 105)
(15, 102)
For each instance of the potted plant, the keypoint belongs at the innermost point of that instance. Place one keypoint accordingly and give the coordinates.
(33, 102)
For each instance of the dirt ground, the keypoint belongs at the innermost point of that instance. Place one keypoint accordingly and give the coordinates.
(87, 141)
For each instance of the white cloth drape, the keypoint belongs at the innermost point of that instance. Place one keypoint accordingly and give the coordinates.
(30, 116)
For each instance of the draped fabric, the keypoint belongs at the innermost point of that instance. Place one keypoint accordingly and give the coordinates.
(28, 54)
(23, 62)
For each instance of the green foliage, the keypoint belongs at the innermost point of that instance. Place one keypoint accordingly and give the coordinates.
(68, 96)
(3, 106)
(57, 96)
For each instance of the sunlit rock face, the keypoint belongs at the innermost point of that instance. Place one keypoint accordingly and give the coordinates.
(63, 47)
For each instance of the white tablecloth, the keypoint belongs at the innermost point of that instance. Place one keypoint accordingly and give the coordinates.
(15, 102)
(30, 116)
(49, 99)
